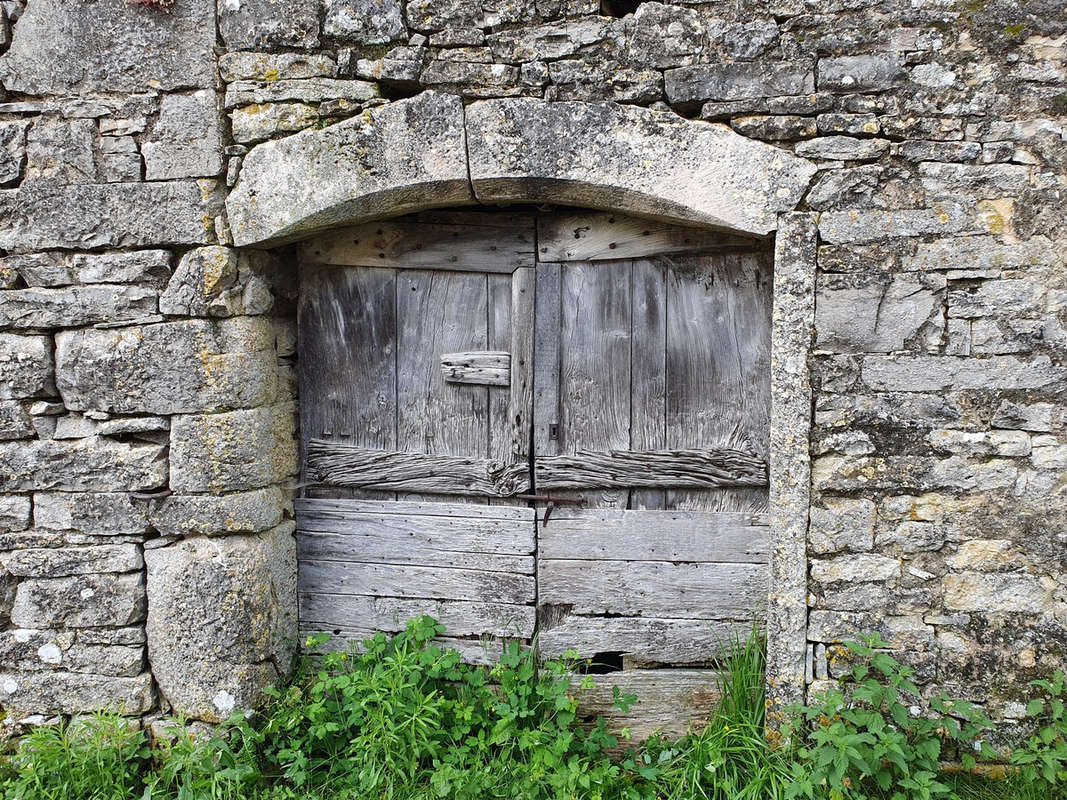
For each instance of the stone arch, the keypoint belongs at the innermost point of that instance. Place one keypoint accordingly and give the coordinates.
(430, 151)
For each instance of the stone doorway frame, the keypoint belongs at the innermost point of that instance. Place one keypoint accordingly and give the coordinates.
(430, 151)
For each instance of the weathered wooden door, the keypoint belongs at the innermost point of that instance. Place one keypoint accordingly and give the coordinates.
(454, 365)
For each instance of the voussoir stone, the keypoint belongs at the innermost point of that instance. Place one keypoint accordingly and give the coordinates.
(221, 619)
(62, 47)
(625, 158)
(230, 364)
(389, 160)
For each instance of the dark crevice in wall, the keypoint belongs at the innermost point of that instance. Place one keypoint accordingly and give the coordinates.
(618, 8)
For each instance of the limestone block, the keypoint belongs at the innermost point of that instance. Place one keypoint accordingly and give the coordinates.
(81, 601)
(853, 568)
(242, 66)
(1023, 416)
(548, 42)
(1018, 593)
(631, 159)
(92, 512)
(852, 124)
(974, 255)
(12, 149)
(389, 160)
(15, 422)
(667, 36)
(923, 150)
(399, 65)
(219, 282)
(60, 150)
(85, 216)
(57, 268)
(841, 524)
(365, 21)
(66, 48)
(738, 80)
(991, 555)
(231, 364)
(975, 180)
(864, 186)
(257, 122)
(14, 512)
(913, 536)
(61, 562)
(892, 410)
(186, 141)
(862, 73)
(745, 40)
(471, 78)
(131, 635)
(95, 465)
(75, 693)
(843, 148)
(253, 24)
(32, 650)
(897, 631)
(222, 619)
(308, 90)
(981, 443)
(1009, 296)
(442, 15)
(233, 451)
(939, 373)
(26, 365)
(240, 512)
(783, 127)
(872, 314)
(856, 227)
(865, 473)
(72, 306)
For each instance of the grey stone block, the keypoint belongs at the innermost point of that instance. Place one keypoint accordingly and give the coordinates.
(667, 36)
(93, 512)
(15, 421)
(14, 512)
(60, 150)
(843, 148)
(222, 619)
(875, 314)
(12, 149)
(243, 66)
(95, 465)
(33, 650)
(81, 601)
(27, 368)
(73, 306)
(548, 42)
(186, 141)
(240, 512)
(841, 524)
(75, 693)
(61, 562)
(254, 24)
(859, 227)
(738, 80)
(220, 282)
(62, 48)
(940, 373)
(861, 73)
(365, 21)
(307, 90)
(258, 122)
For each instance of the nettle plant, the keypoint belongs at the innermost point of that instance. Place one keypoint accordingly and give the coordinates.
(865, 739)
(1042, 758)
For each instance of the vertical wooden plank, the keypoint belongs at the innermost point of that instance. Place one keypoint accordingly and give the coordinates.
(648, 366)
(440, 312)
(546, 359)
(718, 365)
(595, 334)
(347, 365)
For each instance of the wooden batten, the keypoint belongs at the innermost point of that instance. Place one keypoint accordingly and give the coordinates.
(406, 244)
(601, 237)
(483, 367)
(701, 468)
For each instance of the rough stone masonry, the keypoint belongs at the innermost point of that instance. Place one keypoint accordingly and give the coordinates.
(147, 398)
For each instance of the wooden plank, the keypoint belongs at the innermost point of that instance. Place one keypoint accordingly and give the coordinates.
(347, 334)
(719, 378)
(594, 236)
(359, 467)
(648, 369)
(546, 414)
(654, 536)
(595, 334)
(520, 397)
(520, 221)
(483, 367)
(444, 534)
(407, 509)
(641, 640)
(671, 702)
(391, 614)
(407, 244)
(318, 546)
(484, 651)
(440, 312)
(664, 469)
(401, 580)
(652, 588)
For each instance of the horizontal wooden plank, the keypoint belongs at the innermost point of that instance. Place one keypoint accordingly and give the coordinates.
(391, 614)
(599, 533)
(671, 702)
(407, 244)
(598, 236)
(406, 508)
(485, 367)
(701, 468)
(484, 651)
(653, 588)
(641, 640)
(374, 549)
(487, 217)
(339, 464)
(474, 533)
(402, 580)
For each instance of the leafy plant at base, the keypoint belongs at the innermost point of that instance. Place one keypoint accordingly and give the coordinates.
(1042, 758)
(866, 743)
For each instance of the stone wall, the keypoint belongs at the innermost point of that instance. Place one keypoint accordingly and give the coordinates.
(142, 355)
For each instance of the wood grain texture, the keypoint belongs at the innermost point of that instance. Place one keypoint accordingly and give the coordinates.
(359, 467)
(663, 469)
(482, 367)
(648, 366)
(402, 580)
(655, 536)
(521, 394)
(372, 549)
(403, 509)
(406, 244)
(593, 236)
(460, 618)
(652, 588)
(671, 702)
(547, 410)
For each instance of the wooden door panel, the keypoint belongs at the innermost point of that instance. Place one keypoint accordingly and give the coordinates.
(648, 365)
